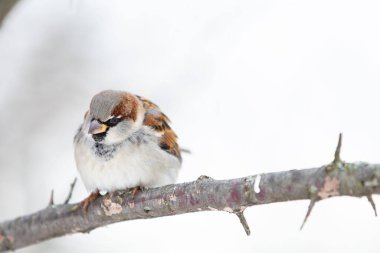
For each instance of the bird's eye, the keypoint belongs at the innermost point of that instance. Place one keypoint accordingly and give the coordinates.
(113, 121)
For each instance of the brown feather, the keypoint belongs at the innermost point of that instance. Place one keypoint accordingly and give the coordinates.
(127, 107)
(159, 122)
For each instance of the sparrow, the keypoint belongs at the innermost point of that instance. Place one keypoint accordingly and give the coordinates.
(125, 142)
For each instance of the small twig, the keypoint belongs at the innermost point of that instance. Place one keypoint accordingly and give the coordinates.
(51, 199)
(370, 199)
(243, 222)
(309, 209)
(72, 185)
(338, 148)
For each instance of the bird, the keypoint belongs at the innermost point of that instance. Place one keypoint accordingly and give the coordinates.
(125, 142)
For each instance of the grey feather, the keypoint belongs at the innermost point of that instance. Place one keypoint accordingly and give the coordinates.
(104, 103)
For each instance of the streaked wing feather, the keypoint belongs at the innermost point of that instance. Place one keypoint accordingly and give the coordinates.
(159, 122)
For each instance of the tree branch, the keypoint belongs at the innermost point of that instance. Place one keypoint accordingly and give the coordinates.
(5, 7)
(205, 194)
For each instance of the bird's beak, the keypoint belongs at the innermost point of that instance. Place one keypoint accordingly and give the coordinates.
(96, 127)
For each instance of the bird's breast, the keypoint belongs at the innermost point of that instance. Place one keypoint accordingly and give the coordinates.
(105, 152)
(126, 165)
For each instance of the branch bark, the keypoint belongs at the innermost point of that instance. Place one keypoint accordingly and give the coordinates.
(337, 178)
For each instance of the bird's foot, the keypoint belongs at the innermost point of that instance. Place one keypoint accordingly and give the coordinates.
(135, 190)
(87, 201)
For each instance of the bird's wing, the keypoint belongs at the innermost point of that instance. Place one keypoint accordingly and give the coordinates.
(159, 122)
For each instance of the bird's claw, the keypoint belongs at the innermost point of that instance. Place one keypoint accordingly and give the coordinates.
(87, 201)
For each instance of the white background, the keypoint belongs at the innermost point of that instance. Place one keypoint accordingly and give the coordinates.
(250, 86)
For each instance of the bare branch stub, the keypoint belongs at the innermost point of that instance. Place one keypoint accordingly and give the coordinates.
(72, 185)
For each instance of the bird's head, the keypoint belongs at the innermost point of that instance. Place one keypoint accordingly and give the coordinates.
(113, 116)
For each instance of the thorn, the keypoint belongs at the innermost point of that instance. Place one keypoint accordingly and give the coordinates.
(337, 151)
(204, 177)
(370, 199)
(51, 199)
(311, 205)
(72, 185)
(243, 222)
